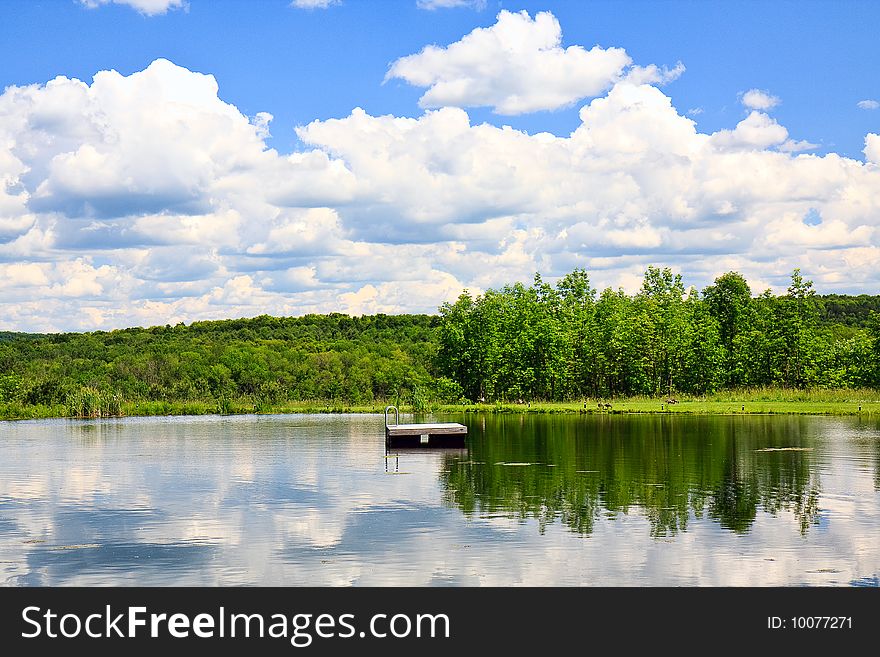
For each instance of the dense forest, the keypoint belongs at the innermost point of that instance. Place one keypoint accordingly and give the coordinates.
(265, 360)
(565, 341)
(537, 342)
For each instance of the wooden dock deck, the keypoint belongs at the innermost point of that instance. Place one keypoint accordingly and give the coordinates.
(442, 434)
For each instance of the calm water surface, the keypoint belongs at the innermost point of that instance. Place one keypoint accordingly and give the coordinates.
(532, 500)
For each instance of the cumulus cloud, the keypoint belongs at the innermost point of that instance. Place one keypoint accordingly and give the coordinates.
(756, 99)
(872, 148)
(756, 131)
(868, 104)
(515, 66)
(145, 7)
(147, 199)
(149, 142)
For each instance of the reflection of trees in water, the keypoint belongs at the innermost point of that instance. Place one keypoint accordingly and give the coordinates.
(523, 492)
(668, 468)
(788, 485)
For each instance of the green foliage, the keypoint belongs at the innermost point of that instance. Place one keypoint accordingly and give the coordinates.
(845, 310)
(447, 391)
(89, 402)
(551, 344)
(10, 387)
(872, 367)
(224, 366)
(729, 302)
(537, 342)
(419, 399)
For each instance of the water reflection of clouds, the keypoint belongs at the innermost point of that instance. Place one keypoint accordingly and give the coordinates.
(310, 504)
(311, 527)
(31, 489)
(127, 563)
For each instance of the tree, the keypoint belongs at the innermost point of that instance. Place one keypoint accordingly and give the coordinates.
(619, 346)
(798, 322)
(577, 300)
(703, 367)
(455, 357)
(662, 305)
(729, 302)
(874, 352)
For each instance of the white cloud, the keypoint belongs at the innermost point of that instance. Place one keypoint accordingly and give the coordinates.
(797, 146)
(146, 199)
(146, 7)
(314, 4)
(515, 66)
(653, 74)
(23, 274)
(388, 297)
(66, 279)
(756, 131)
(153, 141)
(448, 4)
(872, 148)
(868, 104)
(756, 99)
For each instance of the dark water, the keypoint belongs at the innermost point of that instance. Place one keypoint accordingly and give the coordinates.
(533, 500)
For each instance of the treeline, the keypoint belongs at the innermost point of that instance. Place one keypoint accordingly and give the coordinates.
(266, 360)
(848, 310)
(537, 342)
(565, 341)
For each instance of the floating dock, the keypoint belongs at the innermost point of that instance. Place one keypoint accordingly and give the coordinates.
(443, 434)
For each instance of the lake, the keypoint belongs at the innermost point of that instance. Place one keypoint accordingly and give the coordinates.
(632, 500)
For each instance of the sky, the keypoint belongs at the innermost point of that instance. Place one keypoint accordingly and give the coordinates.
(169, 161)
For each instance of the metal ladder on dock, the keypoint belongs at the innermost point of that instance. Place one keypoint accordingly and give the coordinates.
(396, 415)
(444, 434)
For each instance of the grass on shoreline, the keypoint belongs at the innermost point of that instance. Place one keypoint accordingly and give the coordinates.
(727, 402)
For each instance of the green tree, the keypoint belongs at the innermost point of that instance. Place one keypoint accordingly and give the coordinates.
(703, 367)
(729, 302)
(455, 357)
(797, 314)
(577, 300)
(873, 366)
(663, 314)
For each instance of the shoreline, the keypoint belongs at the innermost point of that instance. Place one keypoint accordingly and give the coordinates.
(638, 406)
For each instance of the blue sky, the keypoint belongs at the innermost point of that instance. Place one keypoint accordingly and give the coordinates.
(819, 57)
(704, 136)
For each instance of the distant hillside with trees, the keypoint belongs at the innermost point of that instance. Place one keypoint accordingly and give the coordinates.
(265, 360)
(538, 342)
